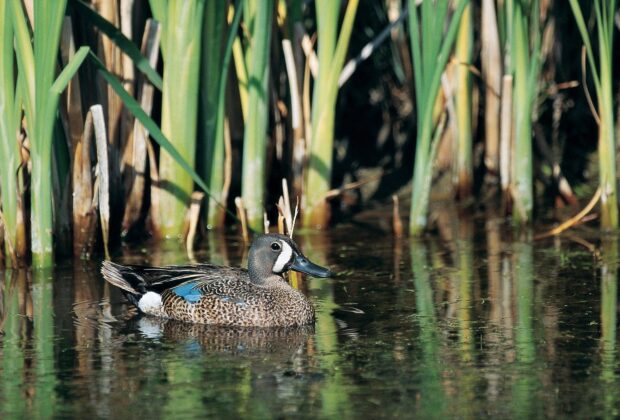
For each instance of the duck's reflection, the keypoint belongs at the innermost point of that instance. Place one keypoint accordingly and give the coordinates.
(217, 339)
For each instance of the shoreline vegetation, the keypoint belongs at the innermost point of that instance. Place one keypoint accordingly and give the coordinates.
(122, 120)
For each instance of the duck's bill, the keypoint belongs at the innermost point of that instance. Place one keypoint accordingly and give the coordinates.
(304, 265)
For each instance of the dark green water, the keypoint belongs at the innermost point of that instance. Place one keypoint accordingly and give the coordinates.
(472, 325)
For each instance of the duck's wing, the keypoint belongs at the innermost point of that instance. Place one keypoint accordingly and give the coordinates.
(231, 289)
(158, 279)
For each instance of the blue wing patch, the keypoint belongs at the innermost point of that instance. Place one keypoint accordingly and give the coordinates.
(188, 291)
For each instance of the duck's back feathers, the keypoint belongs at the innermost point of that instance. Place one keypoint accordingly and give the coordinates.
(138, 280)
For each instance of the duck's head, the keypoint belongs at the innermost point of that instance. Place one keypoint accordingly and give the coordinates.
(273, 254)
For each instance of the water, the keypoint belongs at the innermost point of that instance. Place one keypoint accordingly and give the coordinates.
(466, 326)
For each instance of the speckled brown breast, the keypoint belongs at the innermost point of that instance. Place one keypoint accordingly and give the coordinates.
(237, 302)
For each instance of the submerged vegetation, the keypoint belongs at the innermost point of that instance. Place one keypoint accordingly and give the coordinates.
(114, 114)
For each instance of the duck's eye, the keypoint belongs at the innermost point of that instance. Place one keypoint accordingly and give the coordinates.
(275, 246)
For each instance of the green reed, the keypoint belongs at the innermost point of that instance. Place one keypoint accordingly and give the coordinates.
(9, 145)
(602, 76)
(258, 20)
(215, 63)
(181, 25)
(36, 63)
(212, 108)
(525, 56)
(332, 50)
(430, 46)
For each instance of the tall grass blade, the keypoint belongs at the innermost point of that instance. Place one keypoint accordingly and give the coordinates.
(332, 52)
(430, 50)
(41, 92)
(258, 17)
(214, 97)
(181, 43)
(602, 75)
(525, 65)
(125, 44)
(9, 146)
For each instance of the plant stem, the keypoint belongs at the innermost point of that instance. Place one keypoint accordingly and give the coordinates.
(181, 40)
(41, 211)
(332, 53)
(259, 16)
(430, 50)
(463, 103)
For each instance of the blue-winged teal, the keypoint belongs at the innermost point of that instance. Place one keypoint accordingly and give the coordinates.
(211, 294)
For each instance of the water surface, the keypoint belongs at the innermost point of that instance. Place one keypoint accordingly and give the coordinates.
(471, 323)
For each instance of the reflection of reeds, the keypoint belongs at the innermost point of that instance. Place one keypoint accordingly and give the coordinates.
(13, 326)
(609, 306)
(45, 381)
(609, 325)
(432, 398)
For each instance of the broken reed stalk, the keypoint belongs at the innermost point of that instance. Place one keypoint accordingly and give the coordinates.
(281, 222)
(505, 139)
(265, 223)
(397, 223)
(84, 218)
(136, 151)
(241, 215)
(491, 60)
(194, 217)
(299, 142)
(286, 201)
(79, 134)
(103, 174)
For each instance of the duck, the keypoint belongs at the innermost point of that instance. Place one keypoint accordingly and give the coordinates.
(258, 296)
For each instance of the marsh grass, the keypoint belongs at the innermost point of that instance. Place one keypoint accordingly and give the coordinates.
(431, 48)
(36, 64)
(277, 119)
(332, 49)
(601, 72)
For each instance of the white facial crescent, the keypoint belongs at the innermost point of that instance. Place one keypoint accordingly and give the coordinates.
(283, 258)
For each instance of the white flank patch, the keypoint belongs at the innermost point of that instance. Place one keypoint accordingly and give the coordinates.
(150, 303)
(283, 258)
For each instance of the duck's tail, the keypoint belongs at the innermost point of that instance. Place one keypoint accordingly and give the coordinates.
(132, 285)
